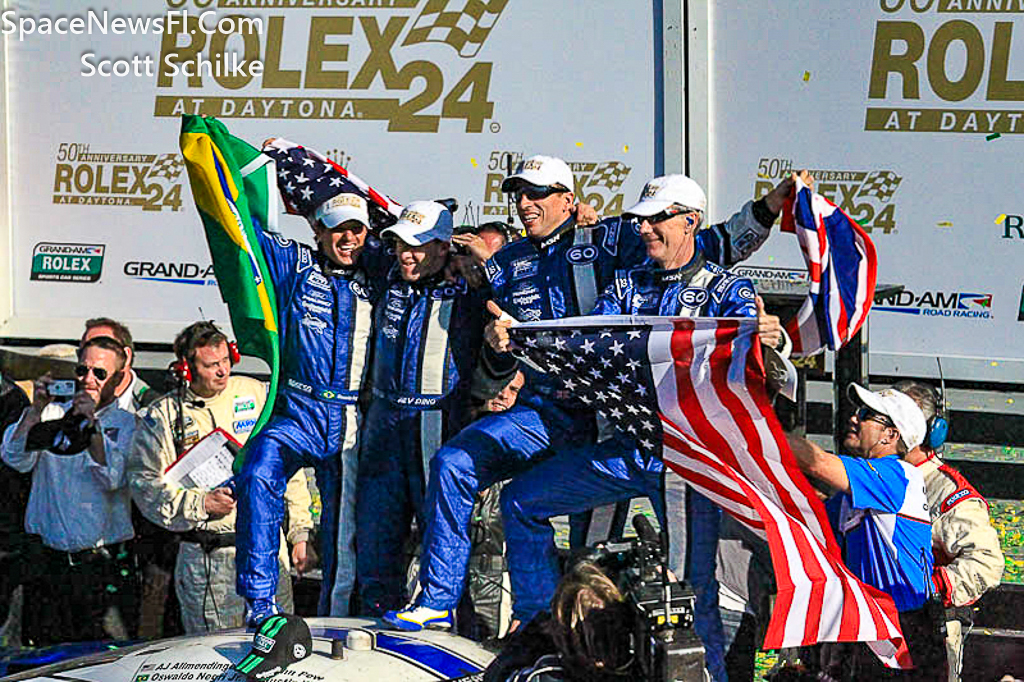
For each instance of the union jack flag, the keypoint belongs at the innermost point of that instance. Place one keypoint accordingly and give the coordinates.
(841, 263)
(307, 179)
(692, 391)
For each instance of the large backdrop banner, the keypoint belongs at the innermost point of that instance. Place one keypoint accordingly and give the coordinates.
(423, 98)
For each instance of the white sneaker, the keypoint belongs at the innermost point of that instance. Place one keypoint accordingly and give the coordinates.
(415, 618)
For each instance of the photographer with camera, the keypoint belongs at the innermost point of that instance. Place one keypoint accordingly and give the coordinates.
(584, 637)
(77, 450)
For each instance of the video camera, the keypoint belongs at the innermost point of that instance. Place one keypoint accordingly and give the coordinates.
(667, 648)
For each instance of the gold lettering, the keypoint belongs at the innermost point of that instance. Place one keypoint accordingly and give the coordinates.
(970, 36)
(999, 88)
(321, 51)
(275, 77)
(884, 62)
(179, 55)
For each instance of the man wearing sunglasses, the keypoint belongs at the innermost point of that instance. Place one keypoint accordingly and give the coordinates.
(79, 505)
(556, 272)
(881, 519)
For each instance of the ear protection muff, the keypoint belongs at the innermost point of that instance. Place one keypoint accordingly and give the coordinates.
(938, 425)
(233, 355)
(185, 346)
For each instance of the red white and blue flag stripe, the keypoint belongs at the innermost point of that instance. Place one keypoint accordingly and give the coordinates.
(841, 263)
(307, 179)
(693, 391)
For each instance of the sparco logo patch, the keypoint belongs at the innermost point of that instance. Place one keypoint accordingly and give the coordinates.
(581, 254)
(410, 63)
(151, 182)
(67, 262)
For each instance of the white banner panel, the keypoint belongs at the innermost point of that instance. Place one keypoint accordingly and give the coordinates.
(419, 97)
(909, 113)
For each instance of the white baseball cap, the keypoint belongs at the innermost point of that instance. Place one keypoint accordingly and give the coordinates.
(667, 190)
(544, 171)
(897, 406)
(422, 222)
(341, 208)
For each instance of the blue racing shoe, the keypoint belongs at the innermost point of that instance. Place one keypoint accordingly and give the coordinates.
(258, 610)
(415, 618)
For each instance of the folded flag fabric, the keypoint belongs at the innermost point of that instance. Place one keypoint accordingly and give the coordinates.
(841, 263)
(235, 194)
(307, 179)
(692, 391)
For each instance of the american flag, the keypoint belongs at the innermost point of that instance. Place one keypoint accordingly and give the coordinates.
(841, 263)
(692, 391)
(307, 179)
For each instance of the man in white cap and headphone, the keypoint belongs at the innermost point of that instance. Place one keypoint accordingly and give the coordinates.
(881, 519)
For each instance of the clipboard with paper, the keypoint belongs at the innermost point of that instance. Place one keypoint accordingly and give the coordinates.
(207, 464)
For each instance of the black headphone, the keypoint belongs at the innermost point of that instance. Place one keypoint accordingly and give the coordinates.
(192, 337)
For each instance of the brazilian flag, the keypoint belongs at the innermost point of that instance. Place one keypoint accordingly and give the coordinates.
(235, 191)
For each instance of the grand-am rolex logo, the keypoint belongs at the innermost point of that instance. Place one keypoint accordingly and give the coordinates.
(67, 262)
(864, 195)
(151, 182)
(598, 183)
(935, 303)
(374, 64)
(954, 56)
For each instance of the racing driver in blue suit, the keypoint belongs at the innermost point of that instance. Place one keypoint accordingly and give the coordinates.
(325, 313)
(556, 272)
(676, 280)
(428, 334)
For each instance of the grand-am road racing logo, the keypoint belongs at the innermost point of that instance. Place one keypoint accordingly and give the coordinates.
(774, 279)
(865, 195)
(939, 304)
(598, 183)
(169, 272)
(954, 53)
(151, 182)
(67, 262)
(366, 64)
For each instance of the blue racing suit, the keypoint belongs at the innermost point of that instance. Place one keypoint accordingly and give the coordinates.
(324, 320)
(614, 470)
(428, 336)
(559, 276)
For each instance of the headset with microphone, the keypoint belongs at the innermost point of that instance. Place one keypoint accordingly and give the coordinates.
(185, 344)
(192, 337)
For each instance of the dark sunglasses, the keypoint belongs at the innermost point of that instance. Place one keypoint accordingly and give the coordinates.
(667, 214)
(82, 370)
(537, 192)
(866, 414)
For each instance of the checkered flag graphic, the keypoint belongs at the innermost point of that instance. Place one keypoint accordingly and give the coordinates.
(880, 184)
(166, 166)
(465, 28)
(610, 174)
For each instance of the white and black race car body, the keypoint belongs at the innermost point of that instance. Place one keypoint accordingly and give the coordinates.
(344, 650)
